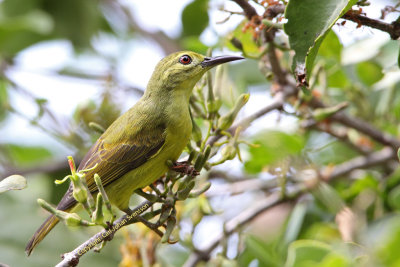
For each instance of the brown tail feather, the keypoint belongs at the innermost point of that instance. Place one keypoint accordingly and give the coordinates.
(40, 233)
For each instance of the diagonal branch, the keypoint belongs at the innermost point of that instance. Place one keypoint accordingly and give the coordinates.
(361, 126)
(72, 258)
(393, 29)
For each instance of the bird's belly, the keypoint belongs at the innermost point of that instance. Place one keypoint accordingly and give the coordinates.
(121, 190)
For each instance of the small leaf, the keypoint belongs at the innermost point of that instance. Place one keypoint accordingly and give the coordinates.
(369, 72)
(295, 222)
(261, 250)
(329, 197)
(13, 182)
(240, 40)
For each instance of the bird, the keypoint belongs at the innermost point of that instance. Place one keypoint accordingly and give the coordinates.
(134, 150)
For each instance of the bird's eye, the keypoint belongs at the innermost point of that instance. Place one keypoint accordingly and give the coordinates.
(185, 59)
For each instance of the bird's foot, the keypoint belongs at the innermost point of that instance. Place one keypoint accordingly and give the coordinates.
(185, 168)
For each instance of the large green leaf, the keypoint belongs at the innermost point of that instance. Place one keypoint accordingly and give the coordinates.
(309, 21)
(195, 18)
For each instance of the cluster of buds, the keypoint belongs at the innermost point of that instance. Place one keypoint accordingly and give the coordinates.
(83, 196)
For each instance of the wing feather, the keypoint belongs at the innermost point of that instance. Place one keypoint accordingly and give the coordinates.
(116, 159)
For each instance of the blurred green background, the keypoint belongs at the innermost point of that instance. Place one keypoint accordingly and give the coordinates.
(66, 63)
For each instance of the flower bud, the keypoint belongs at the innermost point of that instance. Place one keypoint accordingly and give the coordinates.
(196, 193)
(228, 152)
(214, 106)
(96, 127)
(226, 121)
(79, 191)
(184, 193)
(72, 219)
(168, 230)
(97, 215)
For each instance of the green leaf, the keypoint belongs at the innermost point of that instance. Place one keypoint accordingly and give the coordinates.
(306, 253)
(19, 7)
(273, 146)
(295, 222)
(195, 18)
(329, 197)
(258, 249)
(309, 21)
(26, 155)
(385, 101)
(35, 21)
(359, 185)
(331, 48)
(13, 182)
(192, 43)
(369, 72)
(4, 101)
(244, 39)
(394, 198)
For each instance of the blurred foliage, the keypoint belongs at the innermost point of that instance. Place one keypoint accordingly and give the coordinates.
(349, 220)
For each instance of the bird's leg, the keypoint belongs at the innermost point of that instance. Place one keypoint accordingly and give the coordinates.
(184, 167)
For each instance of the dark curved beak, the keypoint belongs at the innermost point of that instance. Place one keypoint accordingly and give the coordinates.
(214, 61)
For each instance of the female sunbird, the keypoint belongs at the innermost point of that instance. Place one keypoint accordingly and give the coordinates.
(133, 151)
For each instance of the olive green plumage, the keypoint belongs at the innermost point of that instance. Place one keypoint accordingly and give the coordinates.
(133, 151)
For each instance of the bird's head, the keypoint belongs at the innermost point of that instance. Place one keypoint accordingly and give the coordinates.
(182, 70)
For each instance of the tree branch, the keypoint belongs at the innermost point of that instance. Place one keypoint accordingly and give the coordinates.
(370, 160)
(249, 11)
(72, 258)
(393, 29)
(361, 126)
